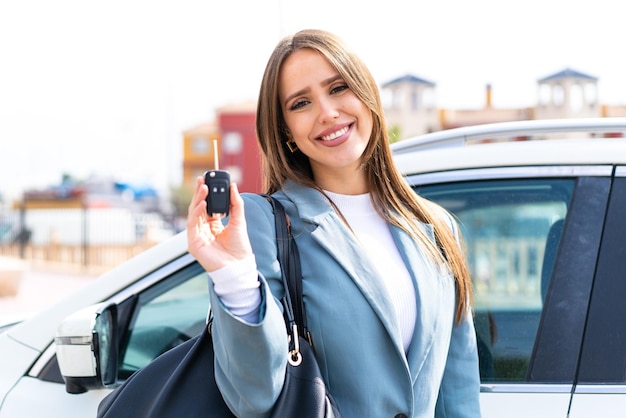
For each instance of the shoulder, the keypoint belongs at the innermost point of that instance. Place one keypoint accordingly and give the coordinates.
(258, 211)
(254, 203)
(255, 200)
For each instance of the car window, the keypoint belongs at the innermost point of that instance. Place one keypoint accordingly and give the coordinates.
(511, 230)
(165, 316)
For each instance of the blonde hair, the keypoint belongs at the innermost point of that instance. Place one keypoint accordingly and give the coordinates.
(393, 198)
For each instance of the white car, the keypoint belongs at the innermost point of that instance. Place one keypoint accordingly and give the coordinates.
(545, 231)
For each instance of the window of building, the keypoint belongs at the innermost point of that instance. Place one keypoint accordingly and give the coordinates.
(576, 98)
(200, 145)
(415, 99)
(558, 96)
(428, 98)
(545, 95)
(591, 94)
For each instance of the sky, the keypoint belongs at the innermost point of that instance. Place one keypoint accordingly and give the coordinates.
(106, 89)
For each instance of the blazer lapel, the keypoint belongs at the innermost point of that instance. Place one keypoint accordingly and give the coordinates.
(363, 273)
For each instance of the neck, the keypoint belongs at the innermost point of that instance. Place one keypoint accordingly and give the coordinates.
(347, 182)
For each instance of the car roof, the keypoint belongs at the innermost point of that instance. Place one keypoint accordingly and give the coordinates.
(515, 154)
(570, 143)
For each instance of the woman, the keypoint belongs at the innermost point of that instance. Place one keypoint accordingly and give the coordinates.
(385, 284)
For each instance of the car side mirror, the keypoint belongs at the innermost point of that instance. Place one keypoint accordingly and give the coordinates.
(86, 347)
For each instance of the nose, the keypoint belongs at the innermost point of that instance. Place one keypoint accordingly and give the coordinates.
(328, 111)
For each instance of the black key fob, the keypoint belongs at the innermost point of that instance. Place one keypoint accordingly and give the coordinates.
(218, 200)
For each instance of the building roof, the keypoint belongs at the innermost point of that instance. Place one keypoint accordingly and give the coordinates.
(239, 107)
(207, 128)
(408, 78)
(568, 72)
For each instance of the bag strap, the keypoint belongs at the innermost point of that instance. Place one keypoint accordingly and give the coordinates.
(289, 259)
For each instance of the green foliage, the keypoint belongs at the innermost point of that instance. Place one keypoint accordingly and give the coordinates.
(180, 197)
(394, 133)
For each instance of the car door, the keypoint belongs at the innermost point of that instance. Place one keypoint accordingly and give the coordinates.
(532, 236)
(156, 313)
(161, 316)
(601, 383)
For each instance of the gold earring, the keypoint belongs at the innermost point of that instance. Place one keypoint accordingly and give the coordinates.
(291, 144)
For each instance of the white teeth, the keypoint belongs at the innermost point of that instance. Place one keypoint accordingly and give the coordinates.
(335, 134)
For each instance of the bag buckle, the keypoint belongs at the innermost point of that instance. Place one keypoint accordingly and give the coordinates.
(295, 356)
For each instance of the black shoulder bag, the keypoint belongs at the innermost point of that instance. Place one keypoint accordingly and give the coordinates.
(181, 381)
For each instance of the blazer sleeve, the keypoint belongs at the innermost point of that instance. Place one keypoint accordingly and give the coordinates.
(251, 358)
(459, 392)
(460, 387)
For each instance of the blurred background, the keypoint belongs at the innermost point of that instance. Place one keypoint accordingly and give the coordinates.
(108, 110)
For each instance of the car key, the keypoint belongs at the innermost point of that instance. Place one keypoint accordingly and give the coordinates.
(218, 182)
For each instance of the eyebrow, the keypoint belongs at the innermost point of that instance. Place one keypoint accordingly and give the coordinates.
(304, 90)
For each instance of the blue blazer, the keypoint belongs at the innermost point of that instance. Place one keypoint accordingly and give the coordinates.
(352, 321)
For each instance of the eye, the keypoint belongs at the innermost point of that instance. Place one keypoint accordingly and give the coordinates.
(298, 104)
(338, 88)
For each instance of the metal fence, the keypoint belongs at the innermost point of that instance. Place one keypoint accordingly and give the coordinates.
(94, 238)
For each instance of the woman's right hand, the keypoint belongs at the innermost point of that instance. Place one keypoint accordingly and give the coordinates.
(208, 240)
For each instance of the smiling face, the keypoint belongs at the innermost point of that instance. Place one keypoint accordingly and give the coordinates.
(327, 121)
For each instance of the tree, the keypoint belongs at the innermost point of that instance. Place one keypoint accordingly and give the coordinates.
(394, 133)
(180, 197)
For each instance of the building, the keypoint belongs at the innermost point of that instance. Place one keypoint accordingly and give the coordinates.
(456, 118)
(234, 134)
(240, 153)
(410, 110)
(410, 106)
(198, 150)
(567, 94)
